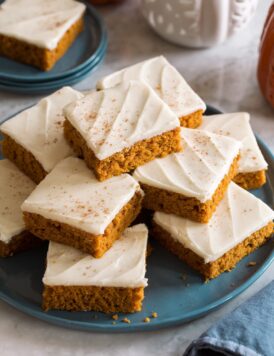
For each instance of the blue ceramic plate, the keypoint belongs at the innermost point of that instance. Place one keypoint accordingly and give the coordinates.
(175, 300)
(51, 85)
(89, 47)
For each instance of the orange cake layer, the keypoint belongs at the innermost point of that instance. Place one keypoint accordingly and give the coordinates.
(129, 158)
(41, 58)
(252, 180)
(92, 298)
(173, 203)
(193, 120)
(21, 242)
(225, 263)
(23, 159)
(96, 245)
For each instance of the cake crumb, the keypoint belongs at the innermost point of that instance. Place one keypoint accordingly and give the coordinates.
(115, 317)
(251, 264)
(114, 323)
(154, 315)
(147, 320)
(183, 276)
(126, 320)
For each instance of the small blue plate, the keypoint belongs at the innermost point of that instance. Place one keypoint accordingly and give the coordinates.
(176, 301)
(51, 85)
(89, 47)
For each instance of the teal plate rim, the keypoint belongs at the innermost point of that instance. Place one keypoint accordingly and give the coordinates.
(32, 310)
(54, 83)
(49, 87)
(98, 53)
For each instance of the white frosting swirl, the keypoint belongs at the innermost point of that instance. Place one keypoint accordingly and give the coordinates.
(72, 195)
(113, 119)
(236, 125)
(14, 189)
(167, 82)
(124, 265)
(237, 217)
(197, 170)
(39, 129)
(39, 22)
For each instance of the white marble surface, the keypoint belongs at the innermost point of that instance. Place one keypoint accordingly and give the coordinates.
(225, 76)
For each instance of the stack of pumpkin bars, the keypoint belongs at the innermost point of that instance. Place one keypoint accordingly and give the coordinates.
(79, 169)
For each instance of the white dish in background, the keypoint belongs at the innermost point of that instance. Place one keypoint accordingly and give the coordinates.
(197, 23)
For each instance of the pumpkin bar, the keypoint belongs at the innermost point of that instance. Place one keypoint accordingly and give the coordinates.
(71, 207)
(193, 182)
(118, 129)
(34, 139)
(14, 189)
(75, 281)
(38, 32)
(240, 224)
(252, 165)
(168, 83)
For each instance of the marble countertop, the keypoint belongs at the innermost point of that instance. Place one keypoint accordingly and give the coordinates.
(224, 76)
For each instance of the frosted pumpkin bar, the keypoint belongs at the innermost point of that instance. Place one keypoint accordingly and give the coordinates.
(72, 207)
(39, 32)
(167, 83)
(34, 138)
(14, 189)
(118, 129)
(191, 183)
(252, 165)
(75, 281)
(240, 224)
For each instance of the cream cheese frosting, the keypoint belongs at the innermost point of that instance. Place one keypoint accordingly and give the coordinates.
(15, 187)
(167, 82)
(116, 118)
(238, 216)
(39, 22)
(197, 170)
(39, 129)
(71, 194)
(124, 265)
(236, 125)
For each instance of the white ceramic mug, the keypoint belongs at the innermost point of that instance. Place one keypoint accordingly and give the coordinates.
(198, 23)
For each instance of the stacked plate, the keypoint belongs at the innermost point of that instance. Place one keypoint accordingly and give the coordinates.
(86, 53)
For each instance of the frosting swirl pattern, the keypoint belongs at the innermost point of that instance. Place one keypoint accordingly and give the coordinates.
(236, 125)
(116, 118)
(238, 216)
(197, 170)
(39, 22)
(167, 82)
(39, 129)
(124, 265)
(14, 189)
(71, 194)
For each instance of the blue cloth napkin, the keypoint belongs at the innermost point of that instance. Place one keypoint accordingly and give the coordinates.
(247, 331)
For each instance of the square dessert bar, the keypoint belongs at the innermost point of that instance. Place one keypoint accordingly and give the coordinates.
(252, 165)
(193, 182)
(15, 187)
(34, 138)
(168, 83)
(118, 129)
(71, 207)
(39, 32)
(76, 281)
(240, 224)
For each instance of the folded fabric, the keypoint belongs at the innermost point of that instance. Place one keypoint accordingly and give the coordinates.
(247, 331)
